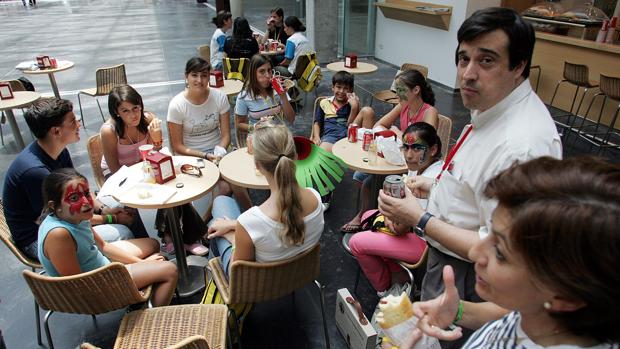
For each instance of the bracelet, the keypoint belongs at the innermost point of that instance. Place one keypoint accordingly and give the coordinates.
(109, 218)
(459, 313)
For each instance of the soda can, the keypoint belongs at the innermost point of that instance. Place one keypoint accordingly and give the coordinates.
(274, 46)
(352, 133)
(277, 85)
(394, 186)
(367, 140)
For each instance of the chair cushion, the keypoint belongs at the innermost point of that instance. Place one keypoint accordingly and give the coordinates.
(165, 326)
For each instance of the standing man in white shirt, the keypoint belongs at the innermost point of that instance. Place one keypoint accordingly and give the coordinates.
(509, 123)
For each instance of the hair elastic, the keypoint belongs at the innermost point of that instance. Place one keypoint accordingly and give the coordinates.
(280, 156)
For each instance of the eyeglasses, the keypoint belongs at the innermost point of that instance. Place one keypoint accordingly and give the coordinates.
(191, 170)
(414, 147)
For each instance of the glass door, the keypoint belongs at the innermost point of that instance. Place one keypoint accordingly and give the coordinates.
(356, 32)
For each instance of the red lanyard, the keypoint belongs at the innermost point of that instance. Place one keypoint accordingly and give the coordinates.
(455, 149)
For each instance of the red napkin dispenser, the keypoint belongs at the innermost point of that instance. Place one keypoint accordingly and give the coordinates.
(216, 79)
(6, 92)
(44, 62)
(350, 61)
(162, 165)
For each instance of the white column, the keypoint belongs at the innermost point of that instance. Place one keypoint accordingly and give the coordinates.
(322, 28)
(236, 8)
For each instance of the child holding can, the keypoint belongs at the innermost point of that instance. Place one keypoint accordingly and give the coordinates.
(375, 251)
(336, 113)
(263, 96)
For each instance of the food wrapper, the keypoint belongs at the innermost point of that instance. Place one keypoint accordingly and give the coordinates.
(391, 151)
(219, 151)
(400, 333)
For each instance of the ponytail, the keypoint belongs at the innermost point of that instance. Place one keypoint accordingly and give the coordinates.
(274, 150)
(412, 78)
(289, 202)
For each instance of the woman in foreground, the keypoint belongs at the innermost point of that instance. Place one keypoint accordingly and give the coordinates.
(551, 262)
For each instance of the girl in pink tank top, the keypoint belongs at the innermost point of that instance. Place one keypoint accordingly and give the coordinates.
(416, 100)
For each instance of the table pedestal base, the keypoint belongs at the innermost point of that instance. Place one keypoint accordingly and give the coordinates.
(194, 282)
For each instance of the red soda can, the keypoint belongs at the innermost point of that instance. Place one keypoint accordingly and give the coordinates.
(367, 140)
(394, 186)
(277, 85)
(352, 133)
(274, 46)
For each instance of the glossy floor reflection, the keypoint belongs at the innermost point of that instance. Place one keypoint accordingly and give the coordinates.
(154, 39)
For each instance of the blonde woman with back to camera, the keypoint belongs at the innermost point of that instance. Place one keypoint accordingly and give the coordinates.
(288, 223)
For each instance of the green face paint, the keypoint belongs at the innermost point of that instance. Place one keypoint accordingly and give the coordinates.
(401, 91)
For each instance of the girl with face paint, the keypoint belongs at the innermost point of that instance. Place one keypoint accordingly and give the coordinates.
(416, 100)
(375, 251)
(68, 245)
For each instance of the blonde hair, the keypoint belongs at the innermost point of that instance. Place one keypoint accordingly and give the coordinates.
(274, 150)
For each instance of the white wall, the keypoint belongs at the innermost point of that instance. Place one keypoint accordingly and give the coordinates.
(399, 42)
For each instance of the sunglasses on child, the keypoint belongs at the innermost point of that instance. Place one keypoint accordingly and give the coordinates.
(415, 147)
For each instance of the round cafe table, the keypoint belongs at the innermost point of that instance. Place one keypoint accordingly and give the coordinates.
(231, 87)
(62, 65)
(238, 168)
(362, 67)
(185, 188)
(357, 159)
(20, 99)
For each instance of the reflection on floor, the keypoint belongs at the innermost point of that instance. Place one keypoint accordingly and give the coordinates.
(154, 39)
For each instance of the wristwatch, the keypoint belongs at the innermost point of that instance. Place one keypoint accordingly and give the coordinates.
(420, 229)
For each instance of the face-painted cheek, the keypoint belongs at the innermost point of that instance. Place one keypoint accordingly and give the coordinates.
(81, 191)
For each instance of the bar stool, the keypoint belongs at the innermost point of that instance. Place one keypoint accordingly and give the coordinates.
(578, 75)
(595, 133)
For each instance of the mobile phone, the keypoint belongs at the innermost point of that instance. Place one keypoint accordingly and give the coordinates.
(200, 163)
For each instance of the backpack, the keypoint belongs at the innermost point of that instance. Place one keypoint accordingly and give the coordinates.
(311, 75)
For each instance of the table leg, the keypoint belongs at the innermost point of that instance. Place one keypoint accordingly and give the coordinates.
(375, 186)
(191, 277)
(16, 134)
(54, 86)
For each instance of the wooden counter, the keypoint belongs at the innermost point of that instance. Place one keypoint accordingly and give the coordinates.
(552, 50)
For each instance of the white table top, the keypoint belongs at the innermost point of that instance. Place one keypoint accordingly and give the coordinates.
(353, 155)
(62, 65)
(231, 87)
(238, 168)
(193, 187)
(20, 99)
(272, 53)
(362, 67)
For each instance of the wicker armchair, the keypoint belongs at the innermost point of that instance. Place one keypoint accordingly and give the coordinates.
(204, 52)
(193, 342)
(107, 79)
(389, 96)
(95, 292)
(5, 236)
(95, 153)
(252, 282)
(444, 130)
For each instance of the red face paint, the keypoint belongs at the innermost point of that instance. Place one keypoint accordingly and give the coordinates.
(410, 138)
(78, 196)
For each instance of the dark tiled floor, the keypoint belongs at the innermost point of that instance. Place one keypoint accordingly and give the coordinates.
(154, 39)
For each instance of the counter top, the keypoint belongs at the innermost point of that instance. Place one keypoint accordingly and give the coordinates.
(610, 48)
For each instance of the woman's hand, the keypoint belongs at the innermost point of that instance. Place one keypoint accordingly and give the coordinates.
(220, 227)
(155, 257)
(155, 132)
(420, 186)
(440, 312)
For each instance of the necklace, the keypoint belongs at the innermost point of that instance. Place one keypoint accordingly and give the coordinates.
(410, 117)
(131, 139)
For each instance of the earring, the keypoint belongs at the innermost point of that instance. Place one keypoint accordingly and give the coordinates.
(547, 305)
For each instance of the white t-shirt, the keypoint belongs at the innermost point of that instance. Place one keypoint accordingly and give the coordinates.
(431, 172)
(217, 47)
(296, 45)
(506, 333)
(267, 245)
(201, 123)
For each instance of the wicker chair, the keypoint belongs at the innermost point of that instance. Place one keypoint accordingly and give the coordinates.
(411, 268)
(5, 236)
(252, 282)
(317, 102)
(302, 63)
(204, 52)
(95, 153)
(179, 326)
(107, 79)
(444, 130)
(192, 342)
(389, 96)
(95, 292)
